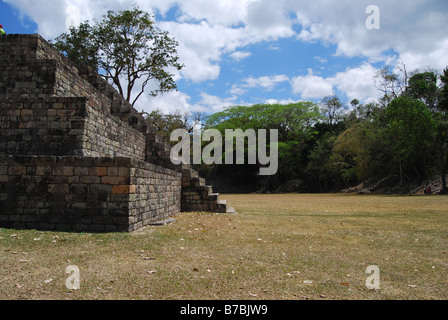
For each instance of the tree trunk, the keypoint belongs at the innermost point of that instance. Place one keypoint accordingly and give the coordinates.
(401, 170)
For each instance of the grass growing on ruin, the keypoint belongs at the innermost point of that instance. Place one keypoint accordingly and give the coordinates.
(276, 247)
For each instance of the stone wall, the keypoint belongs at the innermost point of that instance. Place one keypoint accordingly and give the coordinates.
(85, 194)
(39, 126)
(108, 136)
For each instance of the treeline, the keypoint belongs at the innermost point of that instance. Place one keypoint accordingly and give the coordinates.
(328, 146)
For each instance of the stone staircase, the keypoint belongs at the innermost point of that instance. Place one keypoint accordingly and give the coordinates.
(196, 195)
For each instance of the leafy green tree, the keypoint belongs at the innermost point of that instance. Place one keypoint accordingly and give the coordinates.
(80, 46)
(423, 86)
(295, 124)
(294, 121)
(411, 132)
(442, 127)
(441, 119)
(127, 49)
(443, 102)
(164, 124)
(363, 151)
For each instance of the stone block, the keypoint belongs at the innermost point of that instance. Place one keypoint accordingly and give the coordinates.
(58, 188)
(17, 170)
(43, 170)
(123, 189)
(90, 179)
(81, 171)
(62, 171)
(98, 171)
(115, 180)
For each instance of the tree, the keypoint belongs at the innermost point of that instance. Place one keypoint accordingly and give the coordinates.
(80, 46)
(423, 86)
(411, 131)
(442, 125)
(443, 102)
(128, 50)
(332, 109)
(390, 83)
(295, 124)
(165, 124)
(322, 172)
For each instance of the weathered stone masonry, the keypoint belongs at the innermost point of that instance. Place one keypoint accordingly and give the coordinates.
(75, 156)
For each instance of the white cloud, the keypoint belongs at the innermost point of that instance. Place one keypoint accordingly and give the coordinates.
(169, 102)
(237, 90)
(282, 101)
(216, 104)
(201, 47)
(220, 12)
(240, 55)
(178, 101)
(267, 19)
(355, 83)
(311, 86)
(412, 29)
(321, 59)
(267, 83)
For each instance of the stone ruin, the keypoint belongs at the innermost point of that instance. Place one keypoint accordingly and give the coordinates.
(75, 156)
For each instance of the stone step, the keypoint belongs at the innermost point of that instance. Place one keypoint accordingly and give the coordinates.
(163, 222)
(231, 210)
(214, 196)
(198, 182)
(222, 206)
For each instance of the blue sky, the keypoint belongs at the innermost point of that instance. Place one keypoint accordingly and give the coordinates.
(243, 52)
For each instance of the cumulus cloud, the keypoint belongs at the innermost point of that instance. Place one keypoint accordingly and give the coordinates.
(201, 47)
(220, 12)
(240, 55)
(281, 101)
(267, 19)
(169, 102)
(311, 86)
(216, 104)
(355, 83)
(268, 83)
(413, 28)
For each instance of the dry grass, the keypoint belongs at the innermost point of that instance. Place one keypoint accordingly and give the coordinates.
(267, 250)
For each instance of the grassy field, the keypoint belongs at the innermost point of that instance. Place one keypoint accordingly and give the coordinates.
(287, 247)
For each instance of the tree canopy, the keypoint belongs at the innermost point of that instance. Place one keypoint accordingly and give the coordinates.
(330, 146)
(127, 49)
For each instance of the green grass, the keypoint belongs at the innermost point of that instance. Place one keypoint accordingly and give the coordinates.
(271, 249)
